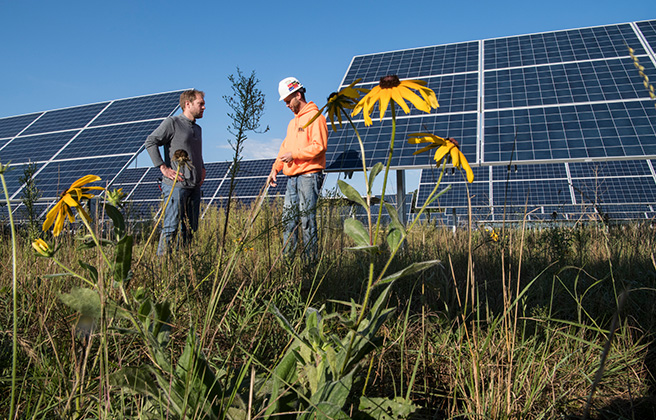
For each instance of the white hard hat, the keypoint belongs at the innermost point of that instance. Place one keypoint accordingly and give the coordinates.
(287, 86)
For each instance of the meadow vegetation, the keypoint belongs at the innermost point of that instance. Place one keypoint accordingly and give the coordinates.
(513, 328)
(527, 321)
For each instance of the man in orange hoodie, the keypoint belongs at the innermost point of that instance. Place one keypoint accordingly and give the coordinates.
(302, 157)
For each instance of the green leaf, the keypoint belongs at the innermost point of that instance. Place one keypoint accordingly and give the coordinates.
(117, 218)
(373, 174)
(134, 379)
(330, 398)
(351, 193)
(283, 375)
(394, 237)
(287, 326)
(203, 390)
(91, 269)
(52, 276)
(386, 409)
(87, 242)
(409, 270)
(85, 301)
(394, 215)
(123, 259)
(371, 249)
(356, 231)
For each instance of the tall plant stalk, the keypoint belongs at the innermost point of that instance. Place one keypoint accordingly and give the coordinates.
(14, 296)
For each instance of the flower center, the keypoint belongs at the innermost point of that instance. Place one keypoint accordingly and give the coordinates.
(389, 82)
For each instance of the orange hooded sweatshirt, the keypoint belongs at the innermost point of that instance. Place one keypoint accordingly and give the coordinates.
(307, 145)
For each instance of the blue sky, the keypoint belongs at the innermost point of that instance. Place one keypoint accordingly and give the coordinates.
(68, 53)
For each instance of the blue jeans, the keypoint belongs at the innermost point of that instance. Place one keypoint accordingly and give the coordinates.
(301, 203)
(184, 207)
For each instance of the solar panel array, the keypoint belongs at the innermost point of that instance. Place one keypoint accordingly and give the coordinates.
(144, 195)
(616, 190)
(103, 139)
(546, 102)
(66, 144)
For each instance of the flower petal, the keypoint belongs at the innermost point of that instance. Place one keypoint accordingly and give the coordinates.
(441, 152)
(85, 180)
(468, 169)
(455, 156)
(68, 200)
(416, 100)
(385, 97)
(398, 98)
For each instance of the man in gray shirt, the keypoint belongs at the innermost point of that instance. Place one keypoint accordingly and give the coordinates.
(176, 133)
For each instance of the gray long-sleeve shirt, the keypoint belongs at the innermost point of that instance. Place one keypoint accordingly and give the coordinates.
(176, 133)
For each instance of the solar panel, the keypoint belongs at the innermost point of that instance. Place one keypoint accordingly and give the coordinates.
(141, 108)
(562, 95)
(537, 102)
(66, 144)
(36, 148)
(618, 189)
(109, 140)
(65, 119)
(11, 126)
(249, 182)
(145, 196)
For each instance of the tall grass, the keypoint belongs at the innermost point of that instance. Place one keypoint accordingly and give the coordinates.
(512, 329)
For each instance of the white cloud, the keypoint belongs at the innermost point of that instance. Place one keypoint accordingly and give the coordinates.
(258, 149)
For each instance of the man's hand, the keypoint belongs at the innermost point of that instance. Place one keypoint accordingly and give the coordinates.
(287, 157)
(202, 176)
(170, 173)
(271, 179)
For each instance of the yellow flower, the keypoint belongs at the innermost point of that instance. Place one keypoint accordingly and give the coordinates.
(42, 248)
(494, 236)
(339, 102)
(443, 146)
(70, 198)
(391, 88)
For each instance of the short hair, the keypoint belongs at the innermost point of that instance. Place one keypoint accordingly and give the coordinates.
(190, 95)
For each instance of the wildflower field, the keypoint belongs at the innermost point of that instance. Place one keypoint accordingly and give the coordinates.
(390, 321)
(513, 328)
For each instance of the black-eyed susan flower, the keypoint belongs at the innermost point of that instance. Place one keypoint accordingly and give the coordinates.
(391, 88)
(42, 248)
(339, 102)
(70, 198)
(444, 146)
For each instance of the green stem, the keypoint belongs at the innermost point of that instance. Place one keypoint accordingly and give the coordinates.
(414, 222)
(387, 166)
(95, 240)
(14, 350)
(364, 171)
(370, 280)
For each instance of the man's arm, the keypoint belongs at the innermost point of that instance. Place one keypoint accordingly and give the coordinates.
(161, 136)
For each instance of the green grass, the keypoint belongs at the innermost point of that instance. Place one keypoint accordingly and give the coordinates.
(510, 329)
